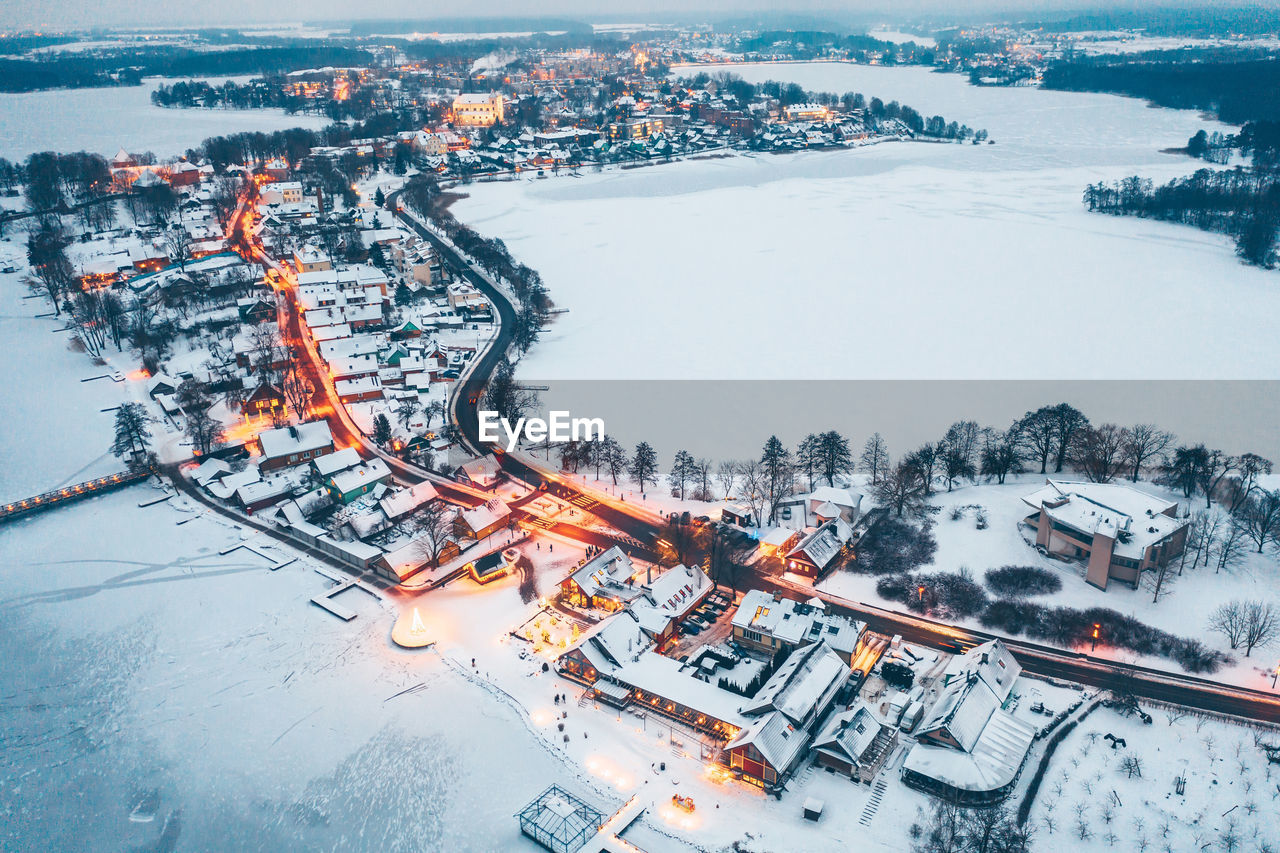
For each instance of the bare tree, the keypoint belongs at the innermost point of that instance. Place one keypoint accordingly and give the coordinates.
(754, 488)
(1259, 517)
(1229, 621)
(901, 489)
(433, 530)
(1099, 452)
(1228, 547)
(297, 389)
(726, 477)
(1261, 625)
(875, 458)
(1217, 466)
(1146, 443)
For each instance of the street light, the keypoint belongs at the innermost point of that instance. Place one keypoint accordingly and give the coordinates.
(1096, 626)
(920, 593)
(1275, 675)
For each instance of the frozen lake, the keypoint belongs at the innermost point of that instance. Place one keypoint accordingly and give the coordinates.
(898, 261)
(107, 119)
(901, 261)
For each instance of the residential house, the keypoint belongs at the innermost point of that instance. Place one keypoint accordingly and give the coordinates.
(969, 748)
(783, 715)
(855, 742)
(356, 482)
(817, 551)
(294, 444)
(768, 621)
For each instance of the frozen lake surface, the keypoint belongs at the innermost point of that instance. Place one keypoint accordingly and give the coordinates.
(107, 119)
(897, 261)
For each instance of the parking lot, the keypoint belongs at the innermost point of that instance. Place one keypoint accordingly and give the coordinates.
(717, 631)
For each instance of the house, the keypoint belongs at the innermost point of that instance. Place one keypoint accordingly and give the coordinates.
(823, 504)
(309, 258)
(767, 622)
(605, 648)
(817, 551)
(675, 689)
(403, 502)
(783, 715)
(358, 390)
(482, 109)
(969, 747)
(737, 513)
(294, 444)
(485, 519)
(669, 598)
(483, 473)
(255, 309)
(606, 582)
(276, 169)
(1116, 530)
(266, 401)
(161, 383)
(490, 567)
(779, 542)
(855, 743)
(358, 481)
(331, 463)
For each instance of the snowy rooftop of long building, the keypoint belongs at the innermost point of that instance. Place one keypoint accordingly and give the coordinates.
(663, 676)
(1108, 509)
(806, 678)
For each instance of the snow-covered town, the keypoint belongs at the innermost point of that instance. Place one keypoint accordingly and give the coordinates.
(517, 434)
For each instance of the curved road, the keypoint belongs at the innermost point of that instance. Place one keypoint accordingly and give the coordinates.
(644, 527)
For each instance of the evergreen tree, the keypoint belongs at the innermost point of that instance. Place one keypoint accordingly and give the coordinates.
(683, 469)
(132, 436)
(644, 465)
(382, 430)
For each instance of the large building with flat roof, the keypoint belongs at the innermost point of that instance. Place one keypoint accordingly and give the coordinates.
(1117, 530)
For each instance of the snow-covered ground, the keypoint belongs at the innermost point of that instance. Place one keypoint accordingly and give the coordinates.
(108, 119)
(1089, 800)
(1183, 611)
(893, 261)
(57, 433)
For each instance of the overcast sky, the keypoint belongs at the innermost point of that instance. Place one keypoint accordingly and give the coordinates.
(52, 14)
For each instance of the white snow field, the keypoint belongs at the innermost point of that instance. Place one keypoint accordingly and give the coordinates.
(107, 119)
(895, 261)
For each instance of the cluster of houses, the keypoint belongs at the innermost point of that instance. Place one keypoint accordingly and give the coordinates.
(807, 709)
(334, 500)
(813, 531)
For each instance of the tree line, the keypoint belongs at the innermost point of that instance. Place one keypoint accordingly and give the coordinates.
(1243, 203)
(1237, 90)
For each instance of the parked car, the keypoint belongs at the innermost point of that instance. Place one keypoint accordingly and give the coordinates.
(690, 627)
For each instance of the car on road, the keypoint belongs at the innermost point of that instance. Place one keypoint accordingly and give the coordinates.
(117, 376)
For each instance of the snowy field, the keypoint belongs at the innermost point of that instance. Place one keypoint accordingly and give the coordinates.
(108, 119)
(900, 260)
(1090, 800)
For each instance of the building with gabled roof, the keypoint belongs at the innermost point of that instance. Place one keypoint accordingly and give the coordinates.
(485, 519)
(968, 746)
(855, 742)
(769, 621)
(295, 444)
(817, 551)
(784, 713)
